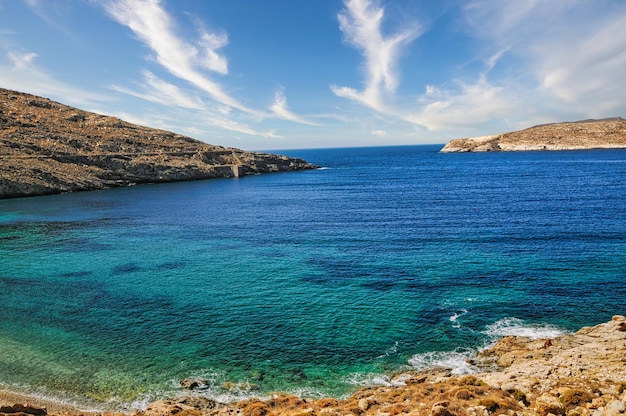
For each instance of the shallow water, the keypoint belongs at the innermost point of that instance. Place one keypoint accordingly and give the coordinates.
(313, 282)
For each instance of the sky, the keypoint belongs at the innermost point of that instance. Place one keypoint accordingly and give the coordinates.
(290, 74)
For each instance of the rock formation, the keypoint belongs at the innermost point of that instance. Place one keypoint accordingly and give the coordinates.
(588, 134)
(47, 147)
(581, 374)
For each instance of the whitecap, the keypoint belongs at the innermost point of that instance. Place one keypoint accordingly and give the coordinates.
(371, 379)
(457, 361)
(454, 318)
(517, 327)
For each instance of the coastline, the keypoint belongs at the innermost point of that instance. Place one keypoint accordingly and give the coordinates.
(574, 374)
(10, 398)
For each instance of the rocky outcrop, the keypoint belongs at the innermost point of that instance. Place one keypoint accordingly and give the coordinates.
(47, 147)
(588, 134)
(582, 374)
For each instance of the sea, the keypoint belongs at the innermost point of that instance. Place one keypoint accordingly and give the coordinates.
(317, 283)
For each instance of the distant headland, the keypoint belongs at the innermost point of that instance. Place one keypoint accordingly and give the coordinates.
(608, 133)
(50, 148)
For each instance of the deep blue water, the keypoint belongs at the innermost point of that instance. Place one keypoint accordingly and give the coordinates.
(313, 282)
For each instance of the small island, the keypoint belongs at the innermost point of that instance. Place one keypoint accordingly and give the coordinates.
(609, 133)
(49, 148)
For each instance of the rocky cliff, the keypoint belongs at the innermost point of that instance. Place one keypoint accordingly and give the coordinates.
(47, 147)
(578, 374)
(588, 134)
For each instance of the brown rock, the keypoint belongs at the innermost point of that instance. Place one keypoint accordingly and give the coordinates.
(586, 134)
(23, 409)
(256, 408)
(190, 406)
(47, 147)
(193, 383)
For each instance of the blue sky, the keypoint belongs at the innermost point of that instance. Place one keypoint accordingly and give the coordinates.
(286, 74)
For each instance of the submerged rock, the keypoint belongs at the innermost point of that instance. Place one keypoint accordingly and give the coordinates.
(194, 383)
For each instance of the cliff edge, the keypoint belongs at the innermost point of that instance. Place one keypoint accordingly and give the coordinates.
(47, 147)
(609, 133)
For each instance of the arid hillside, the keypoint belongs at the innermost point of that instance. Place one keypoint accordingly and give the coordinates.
(47, 148)
(609, 133)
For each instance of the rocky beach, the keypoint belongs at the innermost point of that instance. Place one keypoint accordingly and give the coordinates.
(609, 133)
(49, 148)
(583, 373)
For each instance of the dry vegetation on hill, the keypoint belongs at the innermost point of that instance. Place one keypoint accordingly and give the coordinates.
(47, 147)
(587, 134)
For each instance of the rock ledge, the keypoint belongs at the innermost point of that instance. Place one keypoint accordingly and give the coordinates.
(581, 374)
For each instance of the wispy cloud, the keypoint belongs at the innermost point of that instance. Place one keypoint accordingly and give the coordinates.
(279, 107)
(467, 106)
(573, 54)
(20, 68)
(158, 91)
(528, 61)
(50, 12)
(154, 27)
(361, 23)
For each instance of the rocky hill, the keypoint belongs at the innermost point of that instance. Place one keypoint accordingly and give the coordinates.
(587, 134)
(580, 374)
(47, 148)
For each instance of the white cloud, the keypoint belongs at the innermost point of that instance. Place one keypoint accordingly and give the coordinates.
(469, 105)
(153, 26)
(279, 107)
(588, 69)
(573, 54)
(361, 23)
(21, 69)
(53, 13)
(158, 91)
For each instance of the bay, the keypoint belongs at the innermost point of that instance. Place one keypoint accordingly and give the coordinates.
(314, 282)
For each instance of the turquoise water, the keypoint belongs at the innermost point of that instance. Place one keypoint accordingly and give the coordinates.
(316, 282)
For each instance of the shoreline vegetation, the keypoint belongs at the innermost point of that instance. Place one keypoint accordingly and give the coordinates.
(574, 374)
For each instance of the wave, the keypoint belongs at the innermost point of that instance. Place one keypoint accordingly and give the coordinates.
(457, 361)
(517, 327)
(372, 379)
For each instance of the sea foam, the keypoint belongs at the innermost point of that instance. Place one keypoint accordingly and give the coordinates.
(517, 327)
(457, 361)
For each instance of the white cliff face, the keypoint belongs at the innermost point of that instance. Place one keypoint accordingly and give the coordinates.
(581, 135)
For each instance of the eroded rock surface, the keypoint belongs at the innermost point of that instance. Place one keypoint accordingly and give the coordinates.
(582, 374)
(576, 374)
(47, 147)
(588, 134)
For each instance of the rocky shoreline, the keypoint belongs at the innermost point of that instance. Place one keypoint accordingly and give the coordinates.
(609, 133)
(574, 374)
(49, 148)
